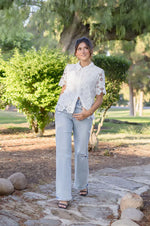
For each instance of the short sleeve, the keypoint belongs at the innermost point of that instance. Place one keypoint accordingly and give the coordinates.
(100, 85)
(63, 79)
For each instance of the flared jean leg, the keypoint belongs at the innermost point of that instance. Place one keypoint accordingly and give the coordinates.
(64, 127)
(81, 138)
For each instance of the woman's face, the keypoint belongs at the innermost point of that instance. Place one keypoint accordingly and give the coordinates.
(83, 52)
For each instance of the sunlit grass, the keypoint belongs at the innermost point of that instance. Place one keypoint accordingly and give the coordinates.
(112, 128)
(126, 133)
(7, 117)
(110, 132)
(123, 115)
(127, 139)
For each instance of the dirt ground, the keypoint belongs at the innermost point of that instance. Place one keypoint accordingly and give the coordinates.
(35, 157)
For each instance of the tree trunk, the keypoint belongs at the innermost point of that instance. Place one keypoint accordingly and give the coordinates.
(102, 121)
(71, 33)
(93, 141)
(141, 103)
(41, 133)
(134, 105)
(131, 99)
(35, 127)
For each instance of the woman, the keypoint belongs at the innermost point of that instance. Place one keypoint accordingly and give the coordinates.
(80, 83)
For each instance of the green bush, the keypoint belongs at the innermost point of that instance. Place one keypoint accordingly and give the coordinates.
(115, 73)
(3, 102)
(32, 84)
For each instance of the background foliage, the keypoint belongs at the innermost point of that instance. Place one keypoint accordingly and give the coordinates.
(116, 73)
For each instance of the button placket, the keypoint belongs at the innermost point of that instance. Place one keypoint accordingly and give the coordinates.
(79, 83)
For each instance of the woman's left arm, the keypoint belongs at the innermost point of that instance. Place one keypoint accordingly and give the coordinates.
(86, 113)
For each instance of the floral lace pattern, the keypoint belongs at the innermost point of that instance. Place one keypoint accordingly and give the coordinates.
(100, 85)
(83, 82)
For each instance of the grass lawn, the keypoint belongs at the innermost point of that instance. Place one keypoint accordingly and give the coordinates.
(126, 133)
(123, 115)
(13, 122)
(110, 132)
(8, 117)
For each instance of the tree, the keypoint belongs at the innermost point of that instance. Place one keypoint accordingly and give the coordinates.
(32, 84)
(138, 53)
(3, 102)
(140, 85)
(101, 20)
(139, 72)
(5, 4)
(116, 73)
(13, 34)
(45, 35)
(69, 19)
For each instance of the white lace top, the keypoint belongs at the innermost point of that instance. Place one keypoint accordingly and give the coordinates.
(83, 82)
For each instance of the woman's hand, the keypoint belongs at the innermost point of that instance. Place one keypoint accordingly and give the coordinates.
(86, 113)
(82, 115)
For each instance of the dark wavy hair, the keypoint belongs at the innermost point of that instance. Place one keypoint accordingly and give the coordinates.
(86, 41)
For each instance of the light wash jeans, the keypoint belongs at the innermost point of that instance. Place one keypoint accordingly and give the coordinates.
(65, 125)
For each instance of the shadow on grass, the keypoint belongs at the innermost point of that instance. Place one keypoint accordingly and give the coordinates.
(126, 140)
(129, 143)
(114, 128)
(130, 138)
(15, 130)
(49, 135)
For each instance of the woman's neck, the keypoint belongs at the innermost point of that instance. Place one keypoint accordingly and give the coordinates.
(85, 63)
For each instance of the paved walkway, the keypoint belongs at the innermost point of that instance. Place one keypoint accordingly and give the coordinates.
(106, 187)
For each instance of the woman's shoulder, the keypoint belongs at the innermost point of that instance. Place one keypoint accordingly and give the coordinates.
(98, 69)
(71, 67)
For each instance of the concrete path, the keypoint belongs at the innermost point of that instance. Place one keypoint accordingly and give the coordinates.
(106, 187)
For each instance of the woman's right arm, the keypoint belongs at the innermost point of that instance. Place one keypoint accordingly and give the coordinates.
(63, 89)
(63, 80)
